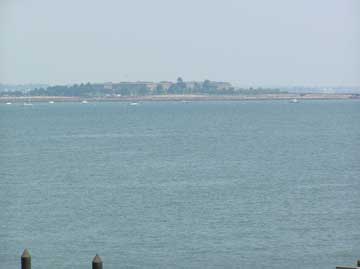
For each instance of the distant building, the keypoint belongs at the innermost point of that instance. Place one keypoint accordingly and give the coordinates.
(152, 86)
(108, 86)
(216, 84)
(192, 84)
(165, 84)
(220, 85)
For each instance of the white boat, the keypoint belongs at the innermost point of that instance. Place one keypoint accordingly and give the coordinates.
(84, 102)
(8, 103)
(294, 100)
(51, 102)
(134, 104)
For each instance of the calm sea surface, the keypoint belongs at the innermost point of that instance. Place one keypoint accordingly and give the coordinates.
(181, 185)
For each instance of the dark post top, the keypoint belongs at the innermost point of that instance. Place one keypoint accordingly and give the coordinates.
(26, 260)
(26, 254)
(97, 262)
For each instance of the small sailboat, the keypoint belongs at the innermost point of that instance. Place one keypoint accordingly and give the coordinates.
(84, 102)
(51, 102)
(294, 100)
(134, 104)
(8, 103)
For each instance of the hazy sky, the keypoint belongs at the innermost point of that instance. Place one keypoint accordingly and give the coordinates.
(249, 42)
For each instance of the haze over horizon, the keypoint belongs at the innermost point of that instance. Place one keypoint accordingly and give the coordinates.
(250, 43)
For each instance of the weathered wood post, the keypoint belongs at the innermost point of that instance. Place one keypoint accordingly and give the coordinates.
(97, 262)
(26, 260)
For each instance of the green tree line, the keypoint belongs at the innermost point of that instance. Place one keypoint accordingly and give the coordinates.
(138, 89)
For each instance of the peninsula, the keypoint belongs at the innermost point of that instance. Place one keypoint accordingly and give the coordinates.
(161, 91)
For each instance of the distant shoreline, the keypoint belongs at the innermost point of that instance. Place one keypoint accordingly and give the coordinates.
(187, 97)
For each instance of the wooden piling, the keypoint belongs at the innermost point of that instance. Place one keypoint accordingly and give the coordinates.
(97, 262)
(26, 260)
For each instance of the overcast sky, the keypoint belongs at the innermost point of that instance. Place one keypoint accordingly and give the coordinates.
(249, 42)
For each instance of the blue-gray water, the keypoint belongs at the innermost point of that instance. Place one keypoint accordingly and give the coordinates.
(181, 185)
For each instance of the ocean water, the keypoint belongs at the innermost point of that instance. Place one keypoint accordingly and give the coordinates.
(259, 184)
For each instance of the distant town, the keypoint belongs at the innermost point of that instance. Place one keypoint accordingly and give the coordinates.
(167, 90)
(139, 88)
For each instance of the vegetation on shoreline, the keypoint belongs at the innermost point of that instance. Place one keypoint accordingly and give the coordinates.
(140, 89)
